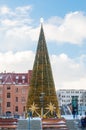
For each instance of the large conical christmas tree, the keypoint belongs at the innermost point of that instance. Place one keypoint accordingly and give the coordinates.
(42, 99)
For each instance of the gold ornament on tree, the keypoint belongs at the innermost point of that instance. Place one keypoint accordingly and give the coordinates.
(51, 108)
(33, 108)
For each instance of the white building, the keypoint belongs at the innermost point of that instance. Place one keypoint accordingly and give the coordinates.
(65, 98)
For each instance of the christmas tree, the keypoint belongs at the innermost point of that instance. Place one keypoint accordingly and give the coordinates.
(42, 99)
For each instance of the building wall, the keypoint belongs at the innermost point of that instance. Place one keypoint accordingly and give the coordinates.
(65, 98)
(14, 88)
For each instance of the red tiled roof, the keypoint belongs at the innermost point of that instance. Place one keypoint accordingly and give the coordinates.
(13, 78)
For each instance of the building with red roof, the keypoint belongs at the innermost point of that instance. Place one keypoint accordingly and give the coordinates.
(14, 89)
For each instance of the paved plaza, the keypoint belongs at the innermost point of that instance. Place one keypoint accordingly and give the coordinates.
(66, 122)
(72, 124)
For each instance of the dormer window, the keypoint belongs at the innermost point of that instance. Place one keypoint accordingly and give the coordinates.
(17, 77)
(23, 81)
(23, 77)
(0, 79)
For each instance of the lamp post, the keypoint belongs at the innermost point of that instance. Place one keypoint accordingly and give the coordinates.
(42, 103)
(29, 116)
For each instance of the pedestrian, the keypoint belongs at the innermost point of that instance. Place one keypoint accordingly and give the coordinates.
(83, 122)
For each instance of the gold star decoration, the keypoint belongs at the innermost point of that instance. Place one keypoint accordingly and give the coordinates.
(33, 107)
(51, 108)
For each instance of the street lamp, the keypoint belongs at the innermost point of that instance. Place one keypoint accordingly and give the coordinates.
(42, 103)
(29, 116)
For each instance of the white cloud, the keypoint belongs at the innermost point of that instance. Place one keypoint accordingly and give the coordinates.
(76, 84)
(20, 16)
(71, 29)
(17, 62)
(4, 10)
(16, 28)
(68, 73)
(15, 31)
(23, 10)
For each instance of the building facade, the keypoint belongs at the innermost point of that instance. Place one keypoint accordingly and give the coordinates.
(65, 98)
(14, 89)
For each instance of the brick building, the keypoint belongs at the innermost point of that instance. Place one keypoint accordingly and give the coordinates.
(14, 89)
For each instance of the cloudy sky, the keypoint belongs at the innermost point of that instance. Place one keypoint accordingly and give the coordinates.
(65, 32)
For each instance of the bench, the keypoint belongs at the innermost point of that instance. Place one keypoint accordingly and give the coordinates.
(8, 123)
(55, 124)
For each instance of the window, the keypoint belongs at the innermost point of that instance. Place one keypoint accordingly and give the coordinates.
(77, 91)
(16, 108)
(17, 77)
(63, 96)
(0, 79)
(23, 90)
(72, 91)
(16, 89)
(23, 77)
(23, 108)
(16, 99)
(68, 92)
(23, 99)
(0, 90)
(8, 87)
(23, 81)
(8, 104)
(8, 95)
(16, 81)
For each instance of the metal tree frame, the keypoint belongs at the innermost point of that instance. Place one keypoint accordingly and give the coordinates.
(42, 83)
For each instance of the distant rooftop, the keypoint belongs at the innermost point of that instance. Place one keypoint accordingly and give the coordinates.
(14, 78)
